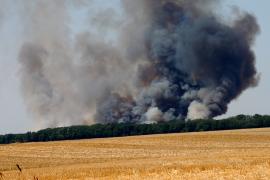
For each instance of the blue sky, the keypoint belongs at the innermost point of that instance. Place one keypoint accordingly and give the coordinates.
(14, 117)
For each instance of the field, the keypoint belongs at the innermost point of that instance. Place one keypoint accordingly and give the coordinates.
(240, 154)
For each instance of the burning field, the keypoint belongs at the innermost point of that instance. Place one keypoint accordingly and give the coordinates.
(143, 62)
(157, 60)
(240, 154)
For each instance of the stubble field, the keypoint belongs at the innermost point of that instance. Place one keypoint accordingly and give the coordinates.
(240, 154)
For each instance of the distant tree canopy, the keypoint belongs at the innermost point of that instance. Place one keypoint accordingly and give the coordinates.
(128, 129)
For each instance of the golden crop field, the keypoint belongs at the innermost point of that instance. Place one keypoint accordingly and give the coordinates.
(240, 154)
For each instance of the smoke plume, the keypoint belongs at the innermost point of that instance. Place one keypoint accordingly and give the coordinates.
(167, 59)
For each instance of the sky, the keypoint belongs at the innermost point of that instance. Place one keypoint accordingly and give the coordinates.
(15, 118)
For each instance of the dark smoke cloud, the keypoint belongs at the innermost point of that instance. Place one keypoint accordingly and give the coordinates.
(171, 59)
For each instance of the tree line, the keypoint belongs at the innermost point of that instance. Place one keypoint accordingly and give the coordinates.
(130, 129)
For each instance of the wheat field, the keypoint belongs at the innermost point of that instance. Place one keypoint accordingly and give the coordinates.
(239, 154)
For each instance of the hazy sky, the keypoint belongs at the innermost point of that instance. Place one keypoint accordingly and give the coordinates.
(14, 117)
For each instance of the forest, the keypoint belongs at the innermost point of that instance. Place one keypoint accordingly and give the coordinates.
(131, 129)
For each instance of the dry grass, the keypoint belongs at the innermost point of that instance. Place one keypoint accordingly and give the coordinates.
(242, 154)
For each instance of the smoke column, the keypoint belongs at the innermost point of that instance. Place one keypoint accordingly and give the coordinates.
(171, 59)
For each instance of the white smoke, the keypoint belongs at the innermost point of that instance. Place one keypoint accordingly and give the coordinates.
(197, 110)
(153, 115)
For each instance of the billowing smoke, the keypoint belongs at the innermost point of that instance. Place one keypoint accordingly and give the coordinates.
(165, 60)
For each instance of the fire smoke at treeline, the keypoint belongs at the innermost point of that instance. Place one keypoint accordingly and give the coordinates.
(170, 59)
